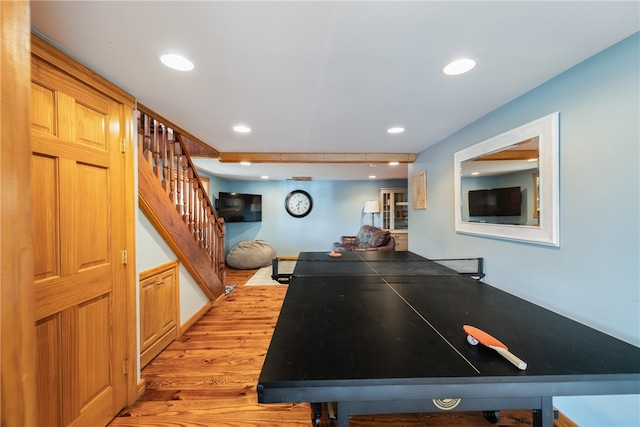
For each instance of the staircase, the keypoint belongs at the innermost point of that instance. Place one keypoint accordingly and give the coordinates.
(171, 195)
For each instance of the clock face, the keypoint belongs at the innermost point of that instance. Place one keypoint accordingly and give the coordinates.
(298, 203)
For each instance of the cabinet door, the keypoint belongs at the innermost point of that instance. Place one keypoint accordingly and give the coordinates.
(395, 208)
(158, 310)
(386, 210)
(148, 323)
(400, 211)
(166, 302)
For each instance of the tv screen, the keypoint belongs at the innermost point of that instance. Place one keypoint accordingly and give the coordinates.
(238, 207)
(495, 202)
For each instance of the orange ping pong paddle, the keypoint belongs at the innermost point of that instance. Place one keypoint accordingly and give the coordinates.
(475, 336)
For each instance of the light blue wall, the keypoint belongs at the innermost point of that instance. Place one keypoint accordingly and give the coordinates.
(593, 276)
(337, 210)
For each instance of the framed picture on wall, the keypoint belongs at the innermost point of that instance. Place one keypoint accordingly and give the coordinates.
(419, 190)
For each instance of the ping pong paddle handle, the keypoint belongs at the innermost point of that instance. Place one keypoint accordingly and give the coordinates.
(521, 364)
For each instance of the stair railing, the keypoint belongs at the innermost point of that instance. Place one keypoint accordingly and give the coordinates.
(164, 151)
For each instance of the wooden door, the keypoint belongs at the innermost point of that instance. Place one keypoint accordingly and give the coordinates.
(79, 233)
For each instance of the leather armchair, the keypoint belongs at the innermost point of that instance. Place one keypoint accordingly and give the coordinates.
(369, 238)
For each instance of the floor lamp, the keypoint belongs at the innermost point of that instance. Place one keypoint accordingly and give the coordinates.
(372, 207)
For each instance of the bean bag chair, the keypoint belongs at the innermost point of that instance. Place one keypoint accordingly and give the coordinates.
(250, 254)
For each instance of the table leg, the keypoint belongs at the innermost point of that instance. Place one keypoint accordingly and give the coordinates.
(543, 417)
(316, 416)
(343, 414)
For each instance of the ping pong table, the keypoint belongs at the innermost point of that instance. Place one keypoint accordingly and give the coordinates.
(381, 332)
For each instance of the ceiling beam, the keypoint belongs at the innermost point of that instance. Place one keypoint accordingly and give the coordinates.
(316, 157)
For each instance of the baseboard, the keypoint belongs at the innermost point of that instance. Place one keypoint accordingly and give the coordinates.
(193, 319)
(288, 258)
(142, 386)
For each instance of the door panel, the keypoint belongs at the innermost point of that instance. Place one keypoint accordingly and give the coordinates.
(148, 305)
(93, 216)
(93, 333)
(167, 303)
(44, 185)
(78, 234)
(47, 360)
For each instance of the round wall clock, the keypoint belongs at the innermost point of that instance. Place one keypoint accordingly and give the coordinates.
(298, 203)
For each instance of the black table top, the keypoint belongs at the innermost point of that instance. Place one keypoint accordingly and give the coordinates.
(343, 326)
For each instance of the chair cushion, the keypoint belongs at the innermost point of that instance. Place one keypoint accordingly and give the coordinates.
(250, 254)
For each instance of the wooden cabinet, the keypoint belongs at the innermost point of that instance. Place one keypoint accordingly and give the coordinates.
(394, 203)
(158, 310)
(402, 239)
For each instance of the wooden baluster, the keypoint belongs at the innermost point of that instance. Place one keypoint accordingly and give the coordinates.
(212, 239)
(207, 223)
(156, 149)
(203, 217)
(199, 210)
(140, 130)
(165, 159)
(220, 231)
(146, 139)
(179, 178)
(206, 231)
(196, 202)
(172, 171)
(185, 191)
(191, 195)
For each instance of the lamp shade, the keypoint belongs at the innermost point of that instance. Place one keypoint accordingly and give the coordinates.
(371, 206)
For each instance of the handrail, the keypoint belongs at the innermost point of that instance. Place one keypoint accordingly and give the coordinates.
(164, 151)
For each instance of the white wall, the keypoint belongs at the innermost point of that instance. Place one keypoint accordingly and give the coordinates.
(593, 277)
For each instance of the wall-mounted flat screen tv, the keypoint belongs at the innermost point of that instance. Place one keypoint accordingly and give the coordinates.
(495, 202)
(238, 207)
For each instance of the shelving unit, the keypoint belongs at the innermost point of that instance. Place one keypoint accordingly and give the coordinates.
(395, 215)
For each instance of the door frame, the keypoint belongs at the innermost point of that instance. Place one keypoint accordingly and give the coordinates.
(18, 332)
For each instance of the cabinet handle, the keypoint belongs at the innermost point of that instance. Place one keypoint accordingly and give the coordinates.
(159, 282)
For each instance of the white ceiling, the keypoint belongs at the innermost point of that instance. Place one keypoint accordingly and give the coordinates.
(329, 77)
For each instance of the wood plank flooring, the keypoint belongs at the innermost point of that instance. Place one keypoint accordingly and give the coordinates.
(208, 376)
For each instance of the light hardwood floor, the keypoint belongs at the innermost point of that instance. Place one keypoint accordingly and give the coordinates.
(208, 376)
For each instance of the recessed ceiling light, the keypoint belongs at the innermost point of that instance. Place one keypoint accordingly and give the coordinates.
(245, 163)
(394, 163)
(475, 173)
(372, 176)
(264, 177)
(177, 62)
(459, 66)
(395, 130)
(242, 129)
